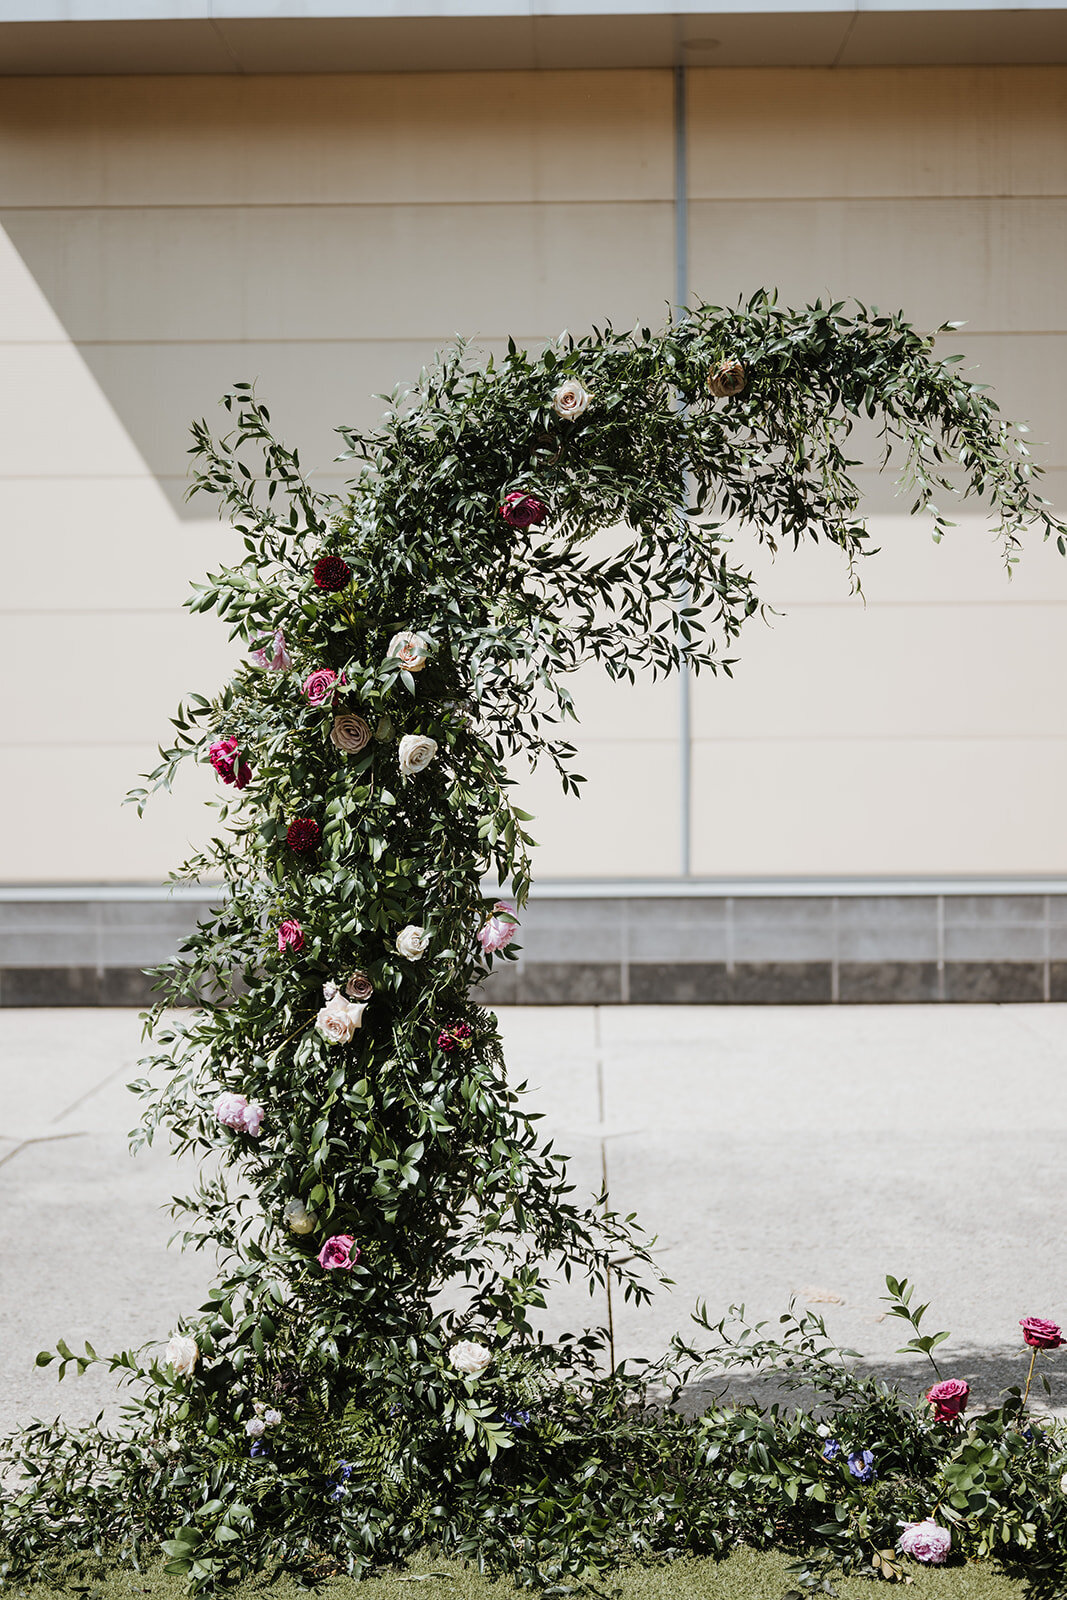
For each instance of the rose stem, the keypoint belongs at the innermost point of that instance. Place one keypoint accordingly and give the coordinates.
(1029, 1375)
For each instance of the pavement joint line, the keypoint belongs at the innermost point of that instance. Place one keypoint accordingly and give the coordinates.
(40, 1138)
(103, 1083)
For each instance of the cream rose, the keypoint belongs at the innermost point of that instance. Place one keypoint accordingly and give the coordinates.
(350, 733)
(412, 942)
(410, 649)
(298, 1218)
(182, 1355)
(416, 752)
(470, 1358)
(339, 1019)
(571, 399)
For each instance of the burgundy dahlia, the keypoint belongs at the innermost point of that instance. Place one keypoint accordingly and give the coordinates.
(446, 1042)
(522, 510)
(303, 834)
(332, 573)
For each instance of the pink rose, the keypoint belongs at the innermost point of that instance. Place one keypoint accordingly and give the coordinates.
(926, 1541)
(949, 1399)
(1041, 1335)
(290, 935)
(229, 763)
(230, 1110)
(522, 510)
(317, 685)
(278, 659)
(338, 1252)
(499, 930)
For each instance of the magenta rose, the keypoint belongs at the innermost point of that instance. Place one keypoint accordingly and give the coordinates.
(1040, 1334)
(926, 1541)
(949, 1399)
(317, 686)
(522, 510)
(228, 762)
(290, 936)
(338, 1252)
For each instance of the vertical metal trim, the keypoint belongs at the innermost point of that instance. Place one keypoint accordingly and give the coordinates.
(681, 300)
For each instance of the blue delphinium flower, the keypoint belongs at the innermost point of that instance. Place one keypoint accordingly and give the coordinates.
(831, 1450)
(861, 1465)
(259, 1449)
(517, 1419)
(338, 1486)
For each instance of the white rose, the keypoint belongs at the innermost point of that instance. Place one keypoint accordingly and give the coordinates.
(182, 1353)
(470, 1358)
(255, 1427)
(570, 399)
(339, 1019)
(416, 752)
(298, 1218)
(411, 942)
(411, 649)
(272, 1418)
(1063, 1484)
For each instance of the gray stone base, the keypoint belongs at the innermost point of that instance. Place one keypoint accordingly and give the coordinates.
(681, 944)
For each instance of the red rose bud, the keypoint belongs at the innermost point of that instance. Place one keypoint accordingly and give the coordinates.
(1041, 1335)
(949, 1399)
(303, 834)
(331, 573)
(522, 510)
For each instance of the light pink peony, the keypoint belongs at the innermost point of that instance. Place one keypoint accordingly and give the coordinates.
(317, 686)
(949, 1399)
(278, 658)
(499, 930)
(338, 1252)
(290, 935)
(230, 1110)
(1040, 1334)
(253, 1119)
(926, 1541)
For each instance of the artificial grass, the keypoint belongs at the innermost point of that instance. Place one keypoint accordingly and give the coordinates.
(745, 1575)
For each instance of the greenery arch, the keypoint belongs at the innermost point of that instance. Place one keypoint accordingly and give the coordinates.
(367, 1376)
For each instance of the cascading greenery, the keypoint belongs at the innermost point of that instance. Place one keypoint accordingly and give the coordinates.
(367, 1375)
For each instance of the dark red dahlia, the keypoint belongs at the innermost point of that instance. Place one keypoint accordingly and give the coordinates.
(332, 573)
(445, 1042)
(303, 834)
(461, 1031)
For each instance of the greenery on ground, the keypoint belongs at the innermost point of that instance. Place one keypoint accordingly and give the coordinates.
(366, 1378)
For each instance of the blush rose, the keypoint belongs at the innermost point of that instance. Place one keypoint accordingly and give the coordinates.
(338, 1252)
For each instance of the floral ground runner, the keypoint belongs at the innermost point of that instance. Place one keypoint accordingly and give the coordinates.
(366, 1378)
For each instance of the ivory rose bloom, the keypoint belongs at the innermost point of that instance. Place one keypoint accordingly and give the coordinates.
(182, 1355)
(339, 1019)
(410, 649)
(298, 1219)
(338, 1252)
(416, 753)
(571, 399)
(926, 1541)
(412, 942)
(469, 1357)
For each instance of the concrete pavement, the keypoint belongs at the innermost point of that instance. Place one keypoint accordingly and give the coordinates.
(774, 1150)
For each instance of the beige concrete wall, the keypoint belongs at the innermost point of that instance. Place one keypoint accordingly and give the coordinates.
(169, 235)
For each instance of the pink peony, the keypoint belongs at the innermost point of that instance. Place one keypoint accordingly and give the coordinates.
(229, 763)
(338, 1252)
(499, 930)
(926, 1541)
(1041, 1335)
(252, 1121)
(317, 685)
(230, 1110)
(522, 510)
(949, 1399)
(279, 659)
(290, 935)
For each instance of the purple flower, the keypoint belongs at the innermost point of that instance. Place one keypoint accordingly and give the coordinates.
(516, 1419)
(861, 1465)
(259, 1449)
(831, 1450)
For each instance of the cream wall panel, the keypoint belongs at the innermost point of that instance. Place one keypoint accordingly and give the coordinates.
(758, 133)
(845, 671)
(994, 263)
(26, 317)
(389, 138)
(943, 807)
(611, 710)
(626, 822)
(54, 421)
(402, 272)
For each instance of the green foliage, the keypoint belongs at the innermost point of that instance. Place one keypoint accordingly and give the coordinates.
(545, 1464)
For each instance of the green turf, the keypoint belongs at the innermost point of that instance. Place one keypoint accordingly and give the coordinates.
(746, 1575)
